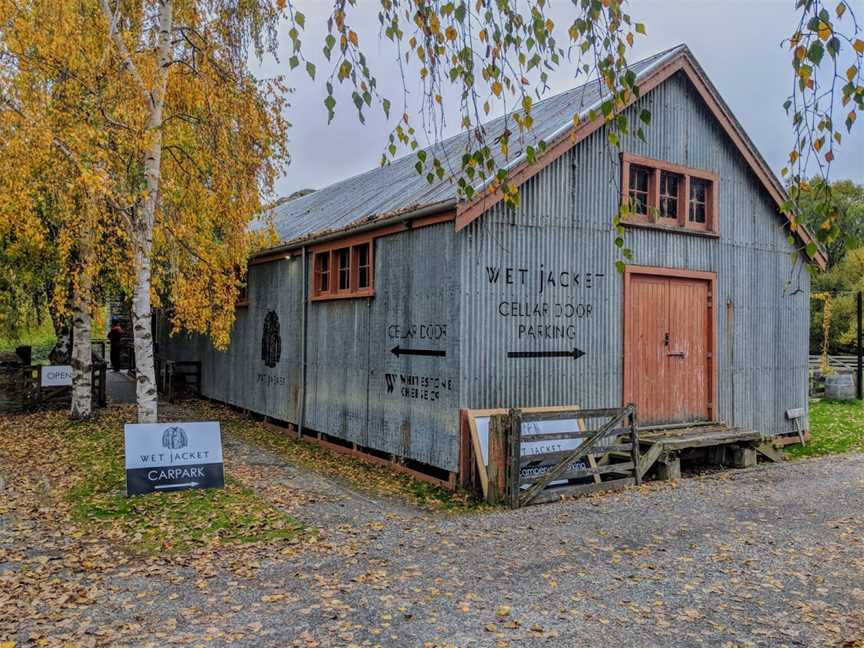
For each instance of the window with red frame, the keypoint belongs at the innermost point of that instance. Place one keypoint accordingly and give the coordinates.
(670, 185)
(322, 273)
(640, 178)
(342, 270)
(667, 195)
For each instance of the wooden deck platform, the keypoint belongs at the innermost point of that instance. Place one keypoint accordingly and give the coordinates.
(698, 436)
(737, 447)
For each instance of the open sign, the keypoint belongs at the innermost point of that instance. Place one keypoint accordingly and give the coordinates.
(56, 376)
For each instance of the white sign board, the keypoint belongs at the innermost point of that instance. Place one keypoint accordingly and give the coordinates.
(56, 376)
(528, 448)
(173, 456)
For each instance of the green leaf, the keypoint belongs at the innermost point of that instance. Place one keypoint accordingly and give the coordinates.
(812, 249)
(606, 107)
(293, 62)
(300, 19)
(330, 103)
(816, 52)
(310, 69)
(640, 28)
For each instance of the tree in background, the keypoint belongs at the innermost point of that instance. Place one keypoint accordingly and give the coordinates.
(206, 142)
(50, 223)
(845, 201)
(845, 250)
(170, 144)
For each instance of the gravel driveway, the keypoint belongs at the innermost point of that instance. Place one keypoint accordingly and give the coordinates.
(769, 557)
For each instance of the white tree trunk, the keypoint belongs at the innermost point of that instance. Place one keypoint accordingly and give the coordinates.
(82, 358)
(144, 219)
(142, 332)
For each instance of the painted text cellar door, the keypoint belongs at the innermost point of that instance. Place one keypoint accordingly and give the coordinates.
(668, 352)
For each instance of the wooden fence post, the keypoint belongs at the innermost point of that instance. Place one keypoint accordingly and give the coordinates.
(859, 350)
(497, 466)
(515, 457)
(634, 441)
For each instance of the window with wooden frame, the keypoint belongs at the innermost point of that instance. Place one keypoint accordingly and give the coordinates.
(659, 194)
(343, 269)
(639, 179)
(321, 275)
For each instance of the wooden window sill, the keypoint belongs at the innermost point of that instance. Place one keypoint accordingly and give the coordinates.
(671, 228)
(343, 295)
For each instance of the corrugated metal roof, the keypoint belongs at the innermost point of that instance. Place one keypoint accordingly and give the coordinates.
(397, 187)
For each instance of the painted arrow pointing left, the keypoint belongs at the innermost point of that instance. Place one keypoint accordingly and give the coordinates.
(397, 351)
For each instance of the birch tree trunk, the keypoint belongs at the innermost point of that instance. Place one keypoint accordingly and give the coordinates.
(82, 355)
(142, 332)
(144, 219)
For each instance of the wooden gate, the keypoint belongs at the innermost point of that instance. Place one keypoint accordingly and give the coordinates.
(23, 390)
(541, 456)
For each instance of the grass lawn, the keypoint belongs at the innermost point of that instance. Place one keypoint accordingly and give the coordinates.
(42, 340)
(835, 427)
(84, 475)
(373, 478)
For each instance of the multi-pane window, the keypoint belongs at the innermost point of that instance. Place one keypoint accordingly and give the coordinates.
(343, 265)
(698, 200)
(363, 269)
(342, 270)
(322, 272)
(639, 184)
(669, 187)
(662, 194)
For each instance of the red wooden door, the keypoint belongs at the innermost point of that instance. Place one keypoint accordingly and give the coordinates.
(668, 348)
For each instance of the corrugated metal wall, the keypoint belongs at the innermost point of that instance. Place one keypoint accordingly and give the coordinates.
(357, 388)
(563, 225)
(239, 376)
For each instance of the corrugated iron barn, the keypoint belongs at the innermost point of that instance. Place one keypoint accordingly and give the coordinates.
(391, 304)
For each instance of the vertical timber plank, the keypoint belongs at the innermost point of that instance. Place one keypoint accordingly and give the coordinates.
(634, 440)
(515, 456)
(497, 468)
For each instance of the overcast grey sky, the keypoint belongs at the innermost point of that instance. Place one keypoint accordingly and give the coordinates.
(737, 42)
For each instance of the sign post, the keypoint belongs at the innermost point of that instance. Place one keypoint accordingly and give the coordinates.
(173, 456)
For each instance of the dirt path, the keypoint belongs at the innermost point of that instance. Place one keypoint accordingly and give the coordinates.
(766, 557)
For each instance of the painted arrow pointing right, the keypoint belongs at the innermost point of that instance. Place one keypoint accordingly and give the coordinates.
(575, 354)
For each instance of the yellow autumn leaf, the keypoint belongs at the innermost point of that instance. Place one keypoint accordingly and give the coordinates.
(824, 30)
